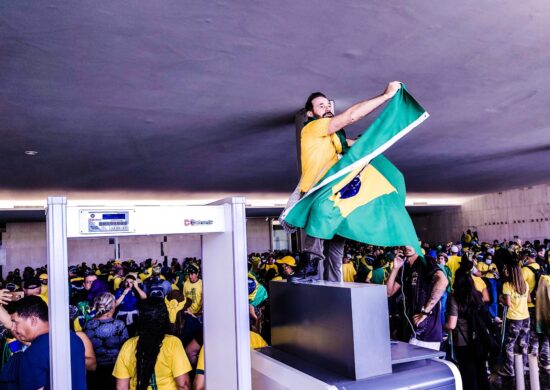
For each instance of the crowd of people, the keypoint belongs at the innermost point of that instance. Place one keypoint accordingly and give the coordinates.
(480, 302)
(140, 326)
(134, 326)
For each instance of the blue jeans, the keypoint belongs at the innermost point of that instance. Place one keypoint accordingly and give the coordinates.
(444, 305)
(493, 303)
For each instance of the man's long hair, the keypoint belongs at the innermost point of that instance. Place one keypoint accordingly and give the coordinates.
(152, 327)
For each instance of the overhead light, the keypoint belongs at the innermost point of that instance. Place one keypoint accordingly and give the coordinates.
(31, 152)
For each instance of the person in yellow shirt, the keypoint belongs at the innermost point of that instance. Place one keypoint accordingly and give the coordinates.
(531, 272)
(348, 270)
(454, 261)
(481, 287)
(192, 289)
(267, 265)
(33, 286)
(467, 263)
(287, 264)
(44, 287)
(322, 140)
(256, 341)
(255, 262)
(160, 362)
(117, 275)
(515, 295)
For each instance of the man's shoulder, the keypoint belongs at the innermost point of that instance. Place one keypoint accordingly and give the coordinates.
(39, 344)
(315, 125)
(427, 267)
(529, 269)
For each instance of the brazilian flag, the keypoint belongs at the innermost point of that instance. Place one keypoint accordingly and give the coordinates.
(362, 197)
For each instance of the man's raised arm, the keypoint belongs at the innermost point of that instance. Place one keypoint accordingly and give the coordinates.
(360, 110)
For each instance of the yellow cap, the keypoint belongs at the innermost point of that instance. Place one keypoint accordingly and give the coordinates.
(288, 260)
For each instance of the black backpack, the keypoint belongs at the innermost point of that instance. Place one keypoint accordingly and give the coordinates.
(483, 333)
(538, 273)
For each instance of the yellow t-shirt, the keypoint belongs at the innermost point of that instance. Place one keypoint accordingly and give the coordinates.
(267, 267)
(530, 278)
(44, 293)
(318, 152)
(144, 275)
(44, 297)
(490, 268)
(349, 272)
(453, 263)
(171, 363)
(193, 291)
(200, 362)
(256, 341)
(518, 306)
(479, 284)
(117, 280)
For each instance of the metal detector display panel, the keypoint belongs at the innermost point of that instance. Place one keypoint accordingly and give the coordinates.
(104, 221)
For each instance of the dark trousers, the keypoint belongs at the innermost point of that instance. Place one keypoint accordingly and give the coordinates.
(101, 379)
(332, 253)
(472, 369)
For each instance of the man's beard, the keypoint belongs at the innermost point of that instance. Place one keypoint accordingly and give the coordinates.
(328, 115)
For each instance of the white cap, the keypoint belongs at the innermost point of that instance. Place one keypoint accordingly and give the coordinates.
(491, 251)
(454, 249)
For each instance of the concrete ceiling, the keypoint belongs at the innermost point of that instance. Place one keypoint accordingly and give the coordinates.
(164, 96)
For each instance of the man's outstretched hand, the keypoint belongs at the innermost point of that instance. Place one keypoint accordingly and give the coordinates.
(392, 89)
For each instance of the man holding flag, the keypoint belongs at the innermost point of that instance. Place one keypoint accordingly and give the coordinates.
(322, 141)
(353, 193)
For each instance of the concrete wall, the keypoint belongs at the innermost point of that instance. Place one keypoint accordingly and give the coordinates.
(25, 245)
(523, 212)
(258, 235)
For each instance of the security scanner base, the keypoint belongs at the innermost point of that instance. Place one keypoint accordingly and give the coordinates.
(413, 368)
(328, 335)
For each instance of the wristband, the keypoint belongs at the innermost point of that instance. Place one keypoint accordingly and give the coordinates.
(423, 311)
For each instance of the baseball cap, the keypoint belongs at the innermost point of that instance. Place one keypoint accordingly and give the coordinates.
(288, 260)
(454, 249)
(31, 283)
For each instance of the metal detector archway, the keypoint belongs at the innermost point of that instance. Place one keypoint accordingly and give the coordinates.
(222, 226)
